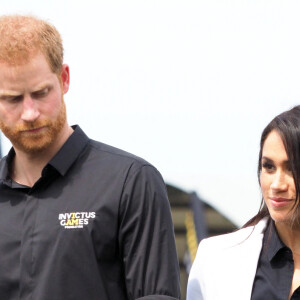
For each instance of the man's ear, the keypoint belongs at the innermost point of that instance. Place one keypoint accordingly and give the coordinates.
(65, 78)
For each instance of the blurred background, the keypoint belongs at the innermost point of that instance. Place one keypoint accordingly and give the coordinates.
(187, 85)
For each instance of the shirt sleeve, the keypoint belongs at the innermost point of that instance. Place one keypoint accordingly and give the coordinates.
(146, 238)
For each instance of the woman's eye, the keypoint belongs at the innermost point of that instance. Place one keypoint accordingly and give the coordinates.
(268, 166)
(289, 168)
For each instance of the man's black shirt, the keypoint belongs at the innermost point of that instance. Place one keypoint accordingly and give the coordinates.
(275, 269)
(95, 226)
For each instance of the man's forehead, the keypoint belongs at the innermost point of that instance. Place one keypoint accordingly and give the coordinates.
(23, 59)
(15, 80)
(35, 61)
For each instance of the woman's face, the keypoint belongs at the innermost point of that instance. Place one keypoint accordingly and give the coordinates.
(276, 179)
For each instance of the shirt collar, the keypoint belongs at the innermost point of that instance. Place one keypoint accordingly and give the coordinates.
(69, 152)
(63, 159)
(5, 165)
(272, 242)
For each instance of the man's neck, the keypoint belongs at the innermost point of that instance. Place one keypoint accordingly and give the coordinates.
(27, 168)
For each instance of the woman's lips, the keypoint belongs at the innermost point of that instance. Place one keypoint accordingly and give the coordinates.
(279, 201)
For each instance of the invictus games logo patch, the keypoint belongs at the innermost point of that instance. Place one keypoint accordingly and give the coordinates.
(75, 219)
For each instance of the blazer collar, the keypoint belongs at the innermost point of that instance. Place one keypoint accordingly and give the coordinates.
(246, 255)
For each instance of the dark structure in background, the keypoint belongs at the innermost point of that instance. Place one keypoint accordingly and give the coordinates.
(193, 220)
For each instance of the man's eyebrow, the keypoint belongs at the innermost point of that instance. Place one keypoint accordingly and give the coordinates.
(7, 94)
(4, 94)
(42, 87)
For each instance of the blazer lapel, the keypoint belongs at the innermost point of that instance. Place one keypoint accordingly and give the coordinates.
(245, 257)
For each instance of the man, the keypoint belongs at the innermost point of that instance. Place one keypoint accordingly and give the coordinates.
(78, 219)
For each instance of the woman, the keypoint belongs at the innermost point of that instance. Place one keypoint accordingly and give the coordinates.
(261, 261)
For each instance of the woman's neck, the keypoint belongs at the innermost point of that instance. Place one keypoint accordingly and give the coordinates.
(290, 235)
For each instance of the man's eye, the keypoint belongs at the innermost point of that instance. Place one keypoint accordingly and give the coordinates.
(41, 93)
(14, 99)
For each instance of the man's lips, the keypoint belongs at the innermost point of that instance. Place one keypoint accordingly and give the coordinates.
(280, 201)
(33, 130)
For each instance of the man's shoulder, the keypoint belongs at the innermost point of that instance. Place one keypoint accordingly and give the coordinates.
(117, 153)
(96, 149)
(117, 158)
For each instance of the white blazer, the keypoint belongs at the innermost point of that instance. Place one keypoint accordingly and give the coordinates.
(225, 265)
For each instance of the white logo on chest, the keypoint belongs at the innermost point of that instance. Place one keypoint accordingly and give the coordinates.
(75, 219)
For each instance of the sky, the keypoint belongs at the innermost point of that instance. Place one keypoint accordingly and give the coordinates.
(187, 85)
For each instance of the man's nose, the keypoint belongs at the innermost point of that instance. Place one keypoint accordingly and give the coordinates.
(30, 111)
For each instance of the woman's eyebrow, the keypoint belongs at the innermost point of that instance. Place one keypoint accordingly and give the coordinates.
(267, 159)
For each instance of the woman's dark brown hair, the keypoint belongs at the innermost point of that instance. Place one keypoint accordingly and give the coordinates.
(287, 125)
